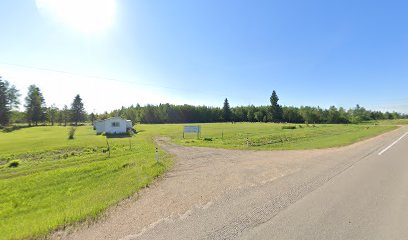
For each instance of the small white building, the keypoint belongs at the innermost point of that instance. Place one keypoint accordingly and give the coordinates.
(114, 125)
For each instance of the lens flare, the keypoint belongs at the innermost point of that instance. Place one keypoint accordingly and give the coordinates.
(87, 16)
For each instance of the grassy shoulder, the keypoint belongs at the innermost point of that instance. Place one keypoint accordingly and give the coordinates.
(269, 136)
(391, 122)
(59, 181)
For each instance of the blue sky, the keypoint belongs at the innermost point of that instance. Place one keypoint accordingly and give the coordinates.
(318, 53)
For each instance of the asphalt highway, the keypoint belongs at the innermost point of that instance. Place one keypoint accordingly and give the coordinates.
(369, 200)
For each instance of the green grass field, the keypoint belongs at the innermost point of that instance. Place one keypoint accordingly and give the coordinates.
(268, 136)
(392, 122)
(60, 181)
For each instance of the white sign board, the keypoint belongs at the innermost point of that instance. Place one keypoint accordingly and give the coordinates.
(192, 129)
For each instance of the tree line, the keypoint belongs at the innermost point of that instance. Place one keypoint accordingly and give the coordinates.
(36, 112)
(169, 113)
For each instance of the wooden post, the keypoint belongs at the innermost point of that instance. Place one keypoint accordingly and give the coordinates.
(222, 135)
(130, 143)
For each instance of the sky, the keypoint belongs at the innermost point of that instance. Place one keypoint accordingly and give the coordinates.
(121, 52)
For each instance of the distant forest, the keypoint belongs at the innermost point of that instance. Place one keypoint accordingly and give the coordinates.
(37, 112)
(169, 113)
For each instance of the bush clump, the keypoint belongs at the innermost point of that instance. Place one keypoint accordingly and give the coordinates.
(130, 133)
(207, 139)
(288, 127)
(13, 163)
(71, 133)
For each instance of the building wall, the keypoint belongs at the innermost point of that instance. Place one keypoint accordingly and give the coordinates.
(100, 127)
(109, 128)
(128, 124)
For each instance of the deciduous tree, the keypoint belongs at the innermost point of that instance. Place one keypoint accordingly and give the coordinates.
(52, 113)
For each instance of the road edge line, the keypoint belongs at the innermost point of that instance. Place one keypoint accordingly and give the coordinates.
(392, 144)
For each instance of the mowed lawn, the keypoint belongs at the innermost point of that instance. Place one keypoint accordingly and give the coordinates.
(269, 136)
(61, 181)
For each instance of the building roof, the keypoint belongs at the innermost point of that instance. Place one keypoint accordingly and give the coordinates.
(113, 118)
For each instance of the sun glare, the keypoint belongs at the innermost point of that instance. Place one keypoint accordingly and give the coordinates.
(87, 16)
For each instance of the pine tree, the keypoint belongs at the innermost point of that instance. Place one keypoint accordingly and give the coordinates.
(35, 105)
(77, 110)
(226, 111)
(5, 111)
(12, 95)
(276, 109)
(8, 101)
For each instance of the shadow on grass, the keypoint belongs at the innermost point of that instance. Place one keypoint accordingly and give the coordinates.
(118, 136)
(9, 129)
(123, 135)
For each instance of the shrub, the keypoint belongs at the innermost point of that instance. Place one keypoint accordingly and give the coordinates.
(71, 133)
(288, 127)
(207, 139)
(130, 133)
(14, 163)
(11, 128)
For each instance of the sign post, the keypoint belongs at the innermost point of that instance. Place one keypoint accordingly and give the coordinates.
(192, 129)
(157, 154)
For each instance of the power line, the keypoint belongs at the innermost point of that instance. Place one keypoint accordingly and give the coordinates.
(110, 79)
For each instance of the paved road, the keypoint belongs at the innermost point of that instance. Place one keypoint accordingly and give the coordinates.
(343, 193)
(367, 201)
